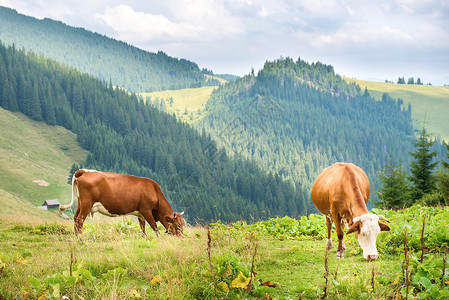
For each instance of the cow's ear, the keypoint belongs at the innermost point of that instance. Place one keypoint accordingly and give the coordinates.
(168, 219)
(384, 227)
(354, 227)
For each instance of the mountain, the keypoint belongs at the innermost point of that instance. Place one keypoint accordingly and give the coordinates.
(127, 135)
(107, 59)
(294, 119)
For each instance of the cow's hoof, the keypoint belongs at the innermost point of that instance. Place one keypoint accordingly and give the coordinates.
(340, 254)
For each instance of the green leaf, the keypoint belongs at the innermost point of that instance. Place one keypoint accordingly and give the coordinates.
(35, 283)
(426, 282)
(86, 274)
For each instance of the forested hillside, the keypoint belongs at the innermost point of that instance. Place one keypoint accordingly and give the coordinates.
(108, 59)
(296, 118)
(124, 134)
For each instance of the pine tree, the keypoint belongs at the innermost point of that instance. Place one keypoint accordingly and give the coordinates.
(444, 163)
(421, 167)
(396, 190)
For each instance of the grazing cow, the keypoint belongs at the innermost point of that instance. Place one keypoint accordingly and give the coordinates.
(115, 195)
(341, 192)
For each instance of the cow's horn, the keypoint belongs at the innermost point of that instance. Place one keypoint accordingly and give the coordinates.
(183, 212)
(356, 219)
(383, 218)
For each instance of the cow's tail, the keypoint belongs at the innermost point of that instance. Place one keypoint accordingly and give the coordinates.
(74, 190)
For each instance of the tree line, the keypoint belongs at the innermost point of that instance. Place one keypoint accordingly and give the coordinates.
(124, 134)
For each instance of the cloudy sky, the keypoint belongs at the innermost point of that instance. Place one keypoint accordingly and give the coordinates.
(365, 39)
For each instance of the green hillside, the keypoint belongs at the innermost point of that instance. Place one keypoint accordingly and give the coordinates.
(295, 118)
(33, 151)
(429, 103)
(108, 59)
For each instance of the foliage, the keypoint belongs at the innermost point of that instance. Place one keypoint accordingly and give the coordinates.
(108, 59)
(125, 135)
(436, 229)
(427, 279)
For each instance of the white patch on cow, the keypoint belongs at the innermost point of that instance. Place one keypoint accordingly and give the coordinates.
(87, 170)
(98, 207)
(368, 235)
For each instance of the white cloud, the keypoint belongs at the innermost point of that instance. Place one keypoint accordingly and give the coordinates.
(228, 35)
(190, 21)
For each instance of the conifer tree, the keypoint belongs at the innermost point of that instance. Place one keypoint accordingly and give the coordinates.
(396, 190)
(446, 164)
(422, 165)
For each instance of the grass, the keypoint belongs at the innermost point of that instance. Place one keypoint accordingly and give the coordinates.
(429, 103)
(108, 261)
(31, 150)
(187, 104)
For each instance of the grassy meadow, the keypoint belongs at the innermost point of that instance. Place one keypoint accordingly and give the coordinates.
(187, 104)
(33, 151)
(429, 103)
(285, 256)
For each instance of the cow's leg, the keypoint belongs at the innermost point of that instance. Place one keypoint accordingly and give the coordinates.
(148, 215)
(82, 211)
(340, 233)
(142, 226)
(329, 228)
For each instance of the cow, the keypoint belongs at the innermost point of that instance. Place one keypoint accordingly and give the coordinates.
(341, 192)
(115, 195)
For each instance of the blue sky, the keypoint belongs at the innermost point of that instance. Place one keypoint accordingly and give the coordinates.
(364, 39)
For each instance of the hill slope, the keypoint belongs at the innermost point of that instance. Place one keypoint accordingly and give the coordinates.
(428, 102)
(100, 56)
(33, 151)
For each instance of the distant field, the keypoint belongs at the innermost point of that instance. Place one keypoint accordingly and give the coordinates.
(30, 151)
(428, 102)
(187, 104)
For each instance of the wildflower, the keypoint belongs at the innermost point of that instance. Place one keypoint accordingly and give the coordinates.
(156, 279)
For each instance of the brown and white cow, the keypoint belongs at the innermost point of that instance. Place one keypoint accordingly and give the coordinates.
(341, 192)
(115, 195)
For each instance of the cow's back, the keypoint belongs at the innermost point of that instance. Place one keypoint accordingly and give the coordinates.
(338, 184)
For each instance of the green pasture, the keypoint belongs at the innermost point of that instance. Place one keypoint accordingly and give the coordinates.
(33, 151)
(187, 104)
(286, 258)
(429, 103)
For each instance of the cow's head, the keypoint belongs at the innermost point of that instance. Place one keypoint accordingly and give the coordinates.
(175, 224)
(367, 227)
